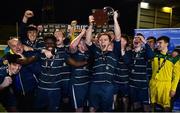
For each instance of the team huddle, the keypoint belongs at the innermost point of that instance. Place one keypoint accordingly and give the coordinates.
(102, 72)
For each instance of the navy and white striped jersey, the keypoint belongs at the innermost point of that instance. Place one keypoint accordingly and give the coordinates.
(80, 75)
(123, 70)
(51, 72)
(104, 64)
(65, 69)
(38, 44)
(149, 69)
(138, 77)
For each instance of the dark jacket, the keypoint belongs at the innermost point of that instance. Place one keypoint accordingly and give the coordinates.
(27, 79)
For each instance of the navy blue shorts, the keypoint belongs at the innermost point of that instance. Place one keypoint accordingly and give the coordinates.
(122, 89)
(79, 95)
(47, 100)
(139, 95)
(65, 89)
(101, 96)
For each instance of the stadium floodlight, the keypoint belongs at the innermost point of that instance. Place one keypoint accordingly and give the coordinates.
(144, 5)
(167, 9)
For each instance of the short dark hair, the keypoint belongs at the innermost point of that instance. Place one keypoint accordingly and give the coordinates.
(127, 38)
(49, 36)
(12, 58)
(31, 28)
(165, 38)
(140, 34)
(176, 50)
(152, 37)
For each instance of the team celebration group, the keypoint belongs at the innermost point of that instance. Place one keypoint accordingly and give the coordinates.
(104, 72)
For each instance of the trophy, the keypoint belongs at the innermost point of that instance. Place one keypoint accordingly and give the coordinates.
(100, 17)
(109, 10)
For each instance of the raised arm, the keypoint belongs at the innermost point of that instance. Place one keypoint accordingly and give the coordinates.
(22, 27)
(149, 51)
(75, 42)
(117, 29)
(28, 14)
(89, 31)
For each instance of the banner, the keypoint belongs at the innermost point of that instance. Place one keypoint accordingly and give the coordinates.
(172, 33)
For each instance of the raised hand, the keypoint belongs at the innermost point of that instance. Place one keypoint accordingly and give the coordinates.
(116, 14)
(143, 39)
(28, 14)
(91, 19)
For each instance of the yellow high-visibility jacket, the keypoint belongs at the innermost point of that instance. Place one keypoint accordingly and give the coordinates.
(169, 72)
(165, 79)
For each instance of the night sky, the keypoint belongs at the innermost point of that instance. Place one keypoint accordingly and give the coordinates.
(66, 10)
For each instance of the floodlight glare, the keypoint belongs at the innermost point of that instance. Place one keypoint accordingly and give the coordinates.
(144, 5)
(167, 9)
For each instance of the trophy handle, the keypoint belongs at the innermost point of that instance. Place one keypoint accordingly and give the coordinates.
(109, 10)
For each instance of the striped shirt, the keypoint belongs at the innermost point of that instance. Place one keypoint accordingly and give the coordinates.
(80, 75)
(52, 71)
(65, 69)
(123, 71)
(37, 44)
(149, 69)
(105, 64)
(138, 77)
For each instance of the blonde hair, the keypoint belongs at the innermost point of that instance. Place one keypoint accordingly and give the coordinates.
(12, 38)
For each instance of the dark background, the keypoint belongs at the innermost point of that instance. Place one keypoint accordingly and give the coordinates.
(64, 11)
